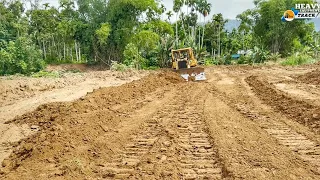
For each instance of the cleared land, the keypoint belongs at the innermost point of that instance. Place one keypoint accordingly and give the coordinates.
(243, 122)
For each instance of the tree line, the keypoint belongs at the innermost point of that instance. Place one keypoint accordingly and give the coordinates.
(141, 33)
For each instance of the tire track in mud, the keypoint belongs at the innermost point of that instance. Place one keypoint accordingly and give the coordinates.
(306, 149)
(173, 144)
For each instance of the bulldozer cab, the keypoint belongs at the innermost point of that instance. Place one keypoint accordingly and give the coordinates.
(183, 58)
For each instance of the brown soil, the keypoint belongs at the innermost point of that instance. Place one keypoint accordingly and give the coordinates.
(311, 77)
(15, 88)
(235, 125)
(303, 112)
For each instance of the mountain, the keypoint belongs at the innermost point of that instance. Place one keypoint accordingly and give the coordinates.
(231, 24)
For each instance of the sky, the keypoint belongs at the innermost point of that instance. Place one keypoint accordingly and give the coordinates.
(229, 8)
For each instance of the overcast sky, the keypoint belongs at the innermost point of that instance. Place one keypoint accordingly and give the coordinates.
(229, 8)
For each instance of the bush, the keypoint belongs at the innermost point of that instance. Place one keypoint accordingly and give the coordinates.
(274, 57)
(132, 57)
(260, 55)
(208, 61)
(20, 56)
(298, 60)
(115, 66)
(245, 60)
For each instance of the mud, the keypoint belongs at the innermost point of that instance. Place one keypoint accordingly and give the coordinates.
(235, 125)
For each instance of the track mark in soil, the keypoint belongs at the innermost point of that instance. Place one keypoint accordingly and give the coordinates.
(307, 149)
(196, 154)
(124, 165)
(174, 144)
(304, 113)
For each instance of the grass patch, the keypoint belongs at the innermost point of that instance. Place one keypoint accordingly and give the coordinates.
(46, 74)
(298, 60)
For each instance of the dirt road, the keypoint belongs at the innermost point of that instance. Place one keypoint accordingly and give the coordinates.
(242, 123)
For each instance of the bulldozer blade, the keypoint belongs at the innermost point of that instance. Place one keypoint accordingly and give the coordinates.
(192, 74)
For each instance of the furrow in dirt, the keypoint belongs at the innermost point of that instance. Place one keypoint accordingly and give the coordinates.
(177, 129)
(123, 165)
(304, 113)
(310, 77)
(197, 157)
(306, 149)
(70, 141)
(246, 138)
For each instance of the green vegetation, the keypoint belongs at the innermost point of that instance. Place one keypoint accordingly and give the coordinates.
(141, 33)
(45, 74)
(299, 60)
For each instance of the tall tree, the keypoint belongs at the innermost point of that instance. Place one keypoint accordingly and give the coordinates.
(177, 5)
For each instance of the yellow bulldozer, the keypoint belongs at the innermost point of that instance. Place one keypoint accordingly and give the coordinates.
(184, 63)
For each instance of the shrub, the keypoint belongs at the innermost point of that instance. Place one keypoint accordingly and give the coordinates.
(274, 56)
(132, 57)
(115, 66)
(298, 60)
(20, 56)
(245, 59)
(208, 61)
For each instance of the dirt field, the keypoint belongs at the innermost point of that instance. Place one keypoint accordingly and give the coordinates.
(19, 95)
(244, 122)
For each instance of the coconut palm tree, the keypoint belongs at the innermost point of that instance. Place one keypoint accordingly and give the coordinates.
(177, 5)
(199, 8)
(206, 9)
(169, 14)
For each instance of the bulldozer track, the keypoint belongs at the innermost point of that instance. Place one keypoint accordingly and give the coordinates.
(307, 149)
(124, 164)
(178, 141)
(197, 157)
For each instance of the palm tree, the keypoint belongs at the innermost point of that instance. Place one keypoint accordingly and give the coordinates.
(199, 9)
(177, 4)
(206, 9)
(191, 4)
(169, 14)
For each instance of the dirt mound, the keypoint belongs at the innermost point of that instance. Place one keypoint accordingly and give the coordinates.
(311, 77)
(69, 132)
(301, 111)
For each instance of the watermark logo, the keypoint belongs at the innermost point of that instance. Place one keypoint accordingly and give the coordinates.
(301, 11)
